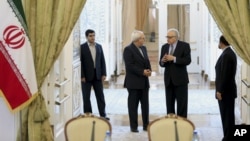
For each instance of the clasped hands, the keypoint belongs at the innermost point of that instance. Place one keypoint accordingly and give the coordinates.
(147, 72)
(167, 58)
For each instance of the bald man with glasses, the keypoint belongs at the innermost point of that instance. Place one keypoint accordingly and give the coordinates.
(175, 56)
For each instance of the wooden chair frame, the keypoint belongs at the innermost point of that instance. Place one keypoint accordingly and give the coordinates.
(86, 115)
(171, 116)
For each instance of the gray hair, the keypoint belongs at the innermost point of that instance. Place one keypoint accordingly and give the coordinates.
(176, 32)
(136, 35)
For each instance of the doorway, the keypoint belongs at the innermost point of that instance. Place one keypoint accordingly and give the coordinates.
(183, 16)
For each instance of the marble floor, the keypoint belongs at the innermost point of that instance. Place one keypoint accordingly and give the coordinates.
(202, 110)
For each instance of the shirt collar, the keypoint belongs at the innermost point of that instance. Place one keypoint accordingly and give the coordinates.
(90, 44)
(225, 48)
(174, 44)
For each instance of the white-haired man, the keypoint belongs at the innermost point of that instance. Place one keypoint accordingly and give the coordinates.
(138, 69)
(175, 56)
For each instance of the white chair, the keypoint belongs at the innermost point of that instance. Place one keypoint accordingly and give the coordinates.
(171, 128)
(86, 127)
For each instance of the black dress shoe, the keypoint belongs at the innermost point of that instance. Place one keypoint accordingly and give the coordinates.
(107, 118)
(135, 130)
(145, 129)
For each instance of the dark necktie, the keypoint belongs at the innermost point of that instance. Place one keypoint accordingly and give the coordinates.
(171, 52)
(141, 52)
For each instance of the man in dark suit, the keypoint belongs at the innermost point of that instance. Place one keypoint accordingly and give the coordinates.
(226, 91)
(175, 56)
(138, 69)
(93, 73)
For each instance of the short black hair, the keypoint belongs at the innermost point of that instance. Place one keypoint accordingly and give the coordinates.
(88, 31)
(223, 40)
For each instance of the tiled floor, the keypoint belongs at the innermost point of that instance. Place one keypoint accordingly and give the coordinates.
(203, 108)
(207, 123)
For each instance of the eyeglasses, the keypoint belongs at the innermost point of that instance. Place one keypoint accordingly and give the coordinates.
(169, 37)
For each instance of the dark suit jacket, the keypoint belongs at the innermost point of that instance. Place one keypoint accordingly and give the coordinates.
(177, 71)
(225, 69)
(87, 63)
(135, 64)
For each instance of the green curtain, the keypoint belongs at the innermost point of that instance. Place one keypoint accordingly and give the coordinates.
(233, 19)
(50, 23)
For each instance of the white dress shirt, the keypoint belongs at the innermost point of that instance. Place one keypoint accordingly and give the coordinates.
(93, 51)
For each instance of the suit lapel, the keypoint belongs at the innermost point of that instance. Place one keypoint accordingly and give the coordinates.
(144, 53)
(88, 52)
(87, 49)
(167, 48)
(137, 51)
(177, 48)
(146, 59)
(97, 52)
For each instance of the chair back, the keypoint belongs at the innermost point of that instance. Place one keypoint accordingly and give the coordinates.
(171, 128)
(87, 127)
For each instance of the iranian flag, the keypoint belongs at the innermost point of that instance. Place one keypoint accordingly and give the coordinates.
(18, 85)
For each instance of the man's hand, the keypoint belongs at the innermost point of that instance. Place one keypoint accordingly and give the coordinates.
(147, 72)
(103, 78)
(167, 58)
(164, 58)
(83, 79)
(218, 96)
